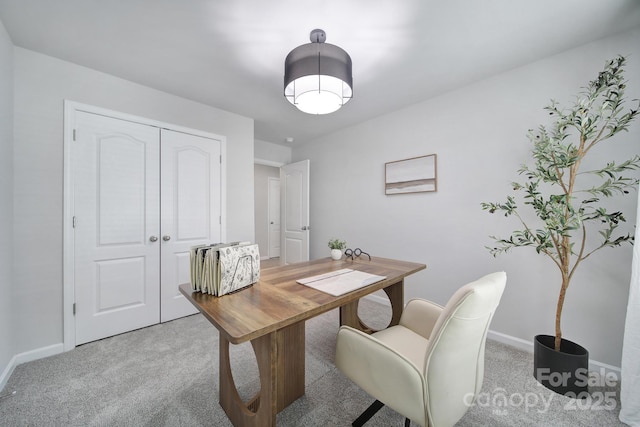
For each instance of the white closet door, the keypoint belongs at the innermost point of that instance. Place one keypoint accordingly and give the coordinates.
(190, 212)
(116, 234)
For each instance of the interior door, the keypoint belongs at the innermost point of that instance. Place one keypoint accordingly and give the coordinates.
(274, 217)
(116, 226)
(190, 211)
(294, 195)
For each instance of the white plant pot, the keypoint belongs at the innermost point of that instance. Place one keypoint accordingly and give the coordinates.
(336, 254)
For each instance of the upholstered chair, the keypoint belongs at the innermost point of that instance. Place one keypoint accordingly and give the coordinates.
(430, 366)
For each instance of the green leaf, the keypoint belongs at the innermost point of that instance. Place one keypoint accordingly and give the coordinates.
(556, 218)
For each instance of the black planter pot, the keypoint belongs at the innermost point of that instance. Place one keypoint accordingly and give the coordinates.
(566, 371)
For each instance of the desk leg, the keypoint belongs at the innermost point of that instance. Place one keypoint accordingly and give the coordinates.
(395, 293)
(280, 360)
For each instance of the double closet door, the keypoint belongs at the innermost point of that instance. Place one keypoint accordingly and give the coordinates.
(143, 195)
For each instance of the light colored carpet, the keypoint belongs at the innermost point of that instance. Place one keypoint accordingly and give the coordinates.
(167, 375)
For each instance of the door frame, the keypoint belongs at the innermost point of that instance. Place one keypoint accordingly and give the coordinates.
(272, 163)
(270, 204)
(68, 244)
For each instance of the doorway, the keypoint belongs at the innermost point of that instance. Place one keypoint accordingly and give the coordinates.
(267, 209)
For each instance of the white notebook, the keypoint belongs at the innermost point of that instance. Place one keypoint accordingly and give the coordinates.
(340, 282)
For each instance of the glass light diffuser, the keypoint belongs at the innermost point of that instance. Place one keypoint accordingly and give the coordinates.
(318, 94)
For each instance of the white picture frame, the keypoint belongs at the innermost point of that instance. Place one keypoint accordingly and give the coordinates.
(413, 175)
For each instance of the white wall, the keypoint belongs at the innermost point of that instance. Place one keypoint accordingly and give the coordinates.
(479, 135)
(274, 154)
(7, 347)
(41, 85)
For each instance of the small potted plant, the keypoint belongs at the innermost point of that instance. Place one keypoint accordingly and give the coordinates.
(337, 246)
(565, 218)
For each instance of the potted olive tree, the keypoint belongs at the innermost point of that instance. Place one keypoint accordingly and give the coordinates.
(569, 222)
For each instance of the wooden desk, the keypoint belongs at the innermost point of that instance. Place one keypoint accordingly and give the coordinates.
(272, 313)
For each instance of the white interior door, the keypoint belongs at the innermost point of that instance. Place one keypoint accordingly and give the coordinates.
(274, 217)
(116, 231)
(294, 194)
(190, 211)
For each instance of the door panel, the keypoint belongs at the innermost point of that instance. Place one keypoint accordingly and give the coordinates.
(294, 179)
(190, 211)
(121, 176)
(116, 190)
(119, 284)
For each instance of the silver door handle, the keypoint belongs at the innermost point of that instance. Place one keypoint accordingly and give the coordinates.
(166, 238)
(153, 239)
(306, 227)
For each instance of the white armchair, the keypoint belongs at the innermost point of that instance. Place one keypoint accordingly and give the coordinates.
(430, 366)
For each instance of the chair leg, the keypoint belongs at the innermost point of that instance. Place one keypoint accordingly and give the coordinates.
(367, 414)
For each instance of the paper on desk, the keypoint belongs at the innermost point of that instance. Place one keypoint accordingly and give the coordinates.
(340, 282)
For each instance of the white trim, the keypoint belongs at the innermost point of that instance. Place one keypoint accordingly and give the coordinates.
(38, 353)
(28, 356)
(527, 346)
(70, 110)
(380, 300)
(223, 189)
(270, 201)
(68, 284)
(516, 342)
(77, 106)
(607, 368)
(268, 163)
(4, 377)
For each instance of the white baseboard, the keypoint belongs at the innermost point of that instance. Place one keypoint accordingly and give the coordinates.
(7, 373)
(527, 346)
(28, 356)
(519, 343)
(379, 299)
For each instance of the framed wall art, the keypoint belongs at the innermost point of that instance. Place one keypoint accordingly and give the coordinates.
(414, 175)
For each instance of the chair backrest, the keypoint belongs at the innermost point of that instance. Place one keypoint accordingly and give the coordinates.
(454, 365)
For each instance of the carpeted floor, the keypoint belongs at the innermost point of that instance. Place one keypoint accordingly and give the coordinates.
(167, 375)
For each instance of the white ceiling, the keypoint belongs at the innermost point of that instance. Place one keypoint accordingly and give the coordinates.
(230, 53)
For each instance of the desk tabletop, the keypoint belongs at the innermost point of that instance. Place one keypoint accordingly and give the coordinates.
(277, 300)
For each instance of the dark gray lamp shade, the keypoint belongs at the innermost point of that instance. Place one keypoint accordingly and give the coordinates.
(317, 77)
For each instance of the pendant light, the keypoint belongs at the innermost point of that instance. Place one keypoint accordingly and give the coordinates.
(317, 76)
